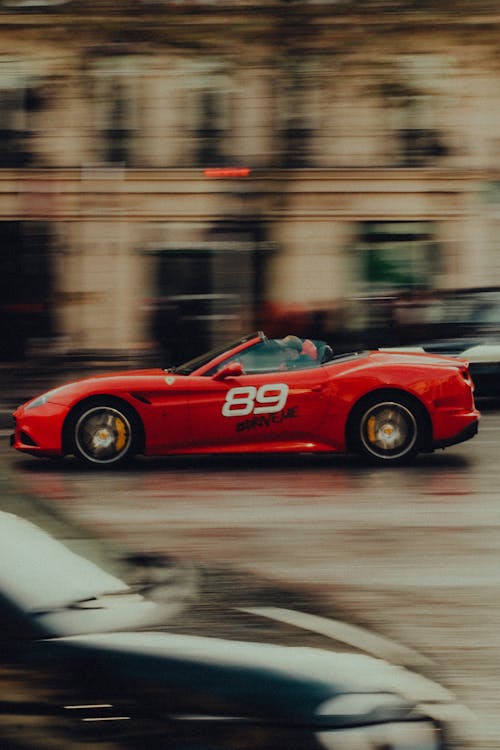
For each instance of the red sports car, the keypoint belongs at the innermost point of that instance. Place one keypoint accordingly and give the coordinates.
(258, 395)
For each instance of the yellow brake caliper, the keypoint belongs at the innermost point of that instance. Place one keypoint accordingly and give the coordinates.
(371, 430)
(121, 434)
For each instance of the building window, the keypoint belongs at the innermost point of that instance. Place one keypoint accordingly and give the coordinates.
(15, 105)
(208, 92)
(118, 134)
(210, 133)
(417, 89)
(418, 146)
(398, 255)
(395, 267)
(296, 113)
(213, 130)
(116, 86)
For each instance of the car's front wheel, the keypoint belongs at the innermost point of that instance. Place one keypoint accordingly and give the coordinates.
(103, 433)
(388, 428)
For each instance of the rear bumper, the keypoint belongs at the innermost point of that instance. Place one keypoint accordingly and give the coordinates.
(466, 433)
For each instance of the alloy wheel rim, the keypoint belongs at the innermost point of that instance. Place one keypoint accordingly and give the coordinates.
(103, 434)
(389, 430)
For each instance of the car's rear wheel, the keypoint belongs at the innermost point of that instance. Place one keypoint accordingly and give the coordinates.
(387, 428)
(103, 433)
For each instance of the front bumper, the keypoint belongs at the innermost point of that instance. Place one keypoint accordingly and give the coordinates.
(38, 431)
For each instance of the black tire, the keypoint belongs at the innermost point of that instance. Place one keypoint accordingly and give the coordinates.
(387, 428)
(103, 432)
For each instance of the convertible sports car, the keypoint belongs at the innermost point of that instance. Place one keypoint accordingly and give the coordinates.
(260, 394)
(86, 659)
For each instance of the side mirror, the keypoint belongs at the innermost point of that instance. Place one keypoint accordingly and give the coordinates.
(231, 370)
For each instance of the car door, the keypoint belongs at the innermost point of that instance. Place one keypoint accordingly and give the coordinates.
(271, 410)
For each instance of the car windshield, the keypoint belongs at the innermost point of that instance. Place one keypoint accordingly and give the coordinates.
(271, 355)
(194, 364)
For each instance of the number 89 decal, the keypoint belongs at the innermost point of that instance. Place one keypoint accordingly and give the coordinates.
(244, 400)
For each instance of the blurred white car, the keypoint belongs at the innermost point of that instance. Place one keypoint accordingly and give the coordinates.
(104, 668)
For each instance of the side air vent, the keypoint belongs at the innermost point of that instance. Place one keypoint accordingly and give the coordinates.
(27, 440)
(141, 398)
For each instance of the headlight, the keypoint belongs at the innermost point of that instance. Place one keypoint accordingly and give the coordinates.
(411, 735)
(375, 721)
(372, 706)
(41, 400)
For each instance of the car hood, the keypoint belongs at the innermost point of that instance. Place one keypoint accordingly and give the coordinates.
(65, 392)
(146, 373)
(61, 592)
(241, 679)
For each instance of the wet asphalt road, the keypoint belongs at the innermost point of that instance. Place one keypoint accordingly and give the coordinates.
(412, 552)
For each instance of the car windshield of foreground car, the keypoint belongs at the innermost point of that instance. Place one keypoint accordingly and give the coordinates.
(194, 364)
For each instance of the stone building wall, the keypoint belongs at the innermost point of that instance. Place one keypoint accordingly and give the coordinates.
(370, 136)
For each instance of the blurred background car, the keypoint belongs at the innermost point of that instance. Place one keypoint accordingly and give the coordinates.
(459, 323)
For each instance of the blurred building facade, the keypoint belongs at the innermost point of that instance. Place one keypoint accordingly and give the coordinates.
(179, 173)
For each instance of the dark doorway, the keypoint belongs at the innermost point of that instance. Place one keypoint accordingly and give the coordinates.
(203, 299)
(208, 295)
(25, 287)
(183, 304)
